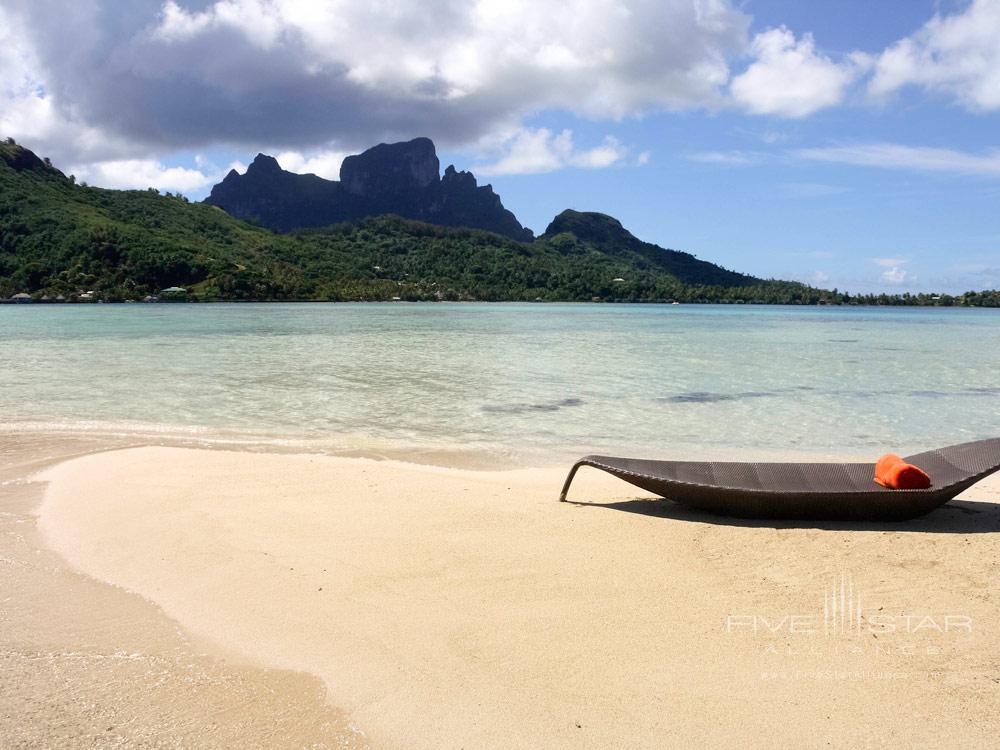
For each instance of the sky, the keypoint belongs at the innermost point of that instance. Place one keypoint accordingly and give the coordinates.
(844, 143)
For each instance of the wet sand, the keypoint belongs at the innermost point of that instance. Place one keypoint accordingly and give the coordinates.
(454, 608)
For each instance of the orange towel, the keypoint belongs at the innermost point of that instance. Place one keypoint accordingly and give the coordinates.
(893, 472)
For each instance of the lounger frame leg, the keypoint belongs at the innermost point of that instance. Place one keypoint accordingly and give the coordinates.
(569, 479)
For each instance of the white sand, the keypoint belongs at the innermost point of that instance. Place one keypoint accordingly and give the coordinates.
(447, 608)
(84, 664)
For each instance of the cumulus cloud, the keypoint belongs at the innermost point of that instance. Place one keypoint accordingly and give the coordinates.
(899, 156)
(24, 106)
(27, 110)
(127, 174)
(17, 61)
(31, 112)
(540, 150)
(110, 86)
(895, 275)
(339, 74)
(790, 78)
(894, 272)
(321, 163)
(956, 55)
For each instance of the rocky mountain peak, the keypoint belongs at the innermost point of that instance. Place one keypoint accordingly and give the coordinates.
(391, 169)
(264, 164)
(454, 178)
(391, 178)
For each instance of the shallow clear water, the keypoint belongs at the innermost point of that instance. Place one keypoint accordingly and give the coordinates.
(521, 384)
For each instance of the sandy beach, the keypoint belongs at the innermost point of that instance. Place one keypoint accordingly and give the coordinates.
(86, 664)
(401, 606)
(310, 311)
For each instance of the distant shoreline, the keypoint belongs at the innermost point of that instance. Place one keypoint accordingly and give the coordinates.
(937, 305)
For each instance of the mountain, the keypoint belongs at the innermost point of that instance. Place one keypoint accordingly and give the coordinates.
(21, 159)
(576, 228)
(58, 238)
(391, 178)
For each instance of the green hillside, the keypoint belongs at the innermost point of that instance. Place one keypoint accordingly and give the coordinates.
(58, 238)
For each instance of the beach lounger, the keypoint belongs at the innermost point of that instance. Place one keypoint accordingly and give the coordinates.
(813, 491)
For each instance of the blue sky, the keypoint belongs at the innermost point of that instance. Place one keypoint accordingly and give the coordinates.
(848, 144)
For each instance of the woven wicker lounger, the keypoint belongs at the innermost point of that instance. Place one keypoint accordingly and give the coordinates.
(803, 490)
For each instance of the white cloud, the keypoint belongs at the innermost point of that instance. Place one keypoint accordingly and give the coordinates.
(261, 21)
(17, 59)
(789, 78)
(608, 153)
(176, 23)
(898, 156)
(894, 272)
(728, 158)
(895, 275)
(322, 163)
(127, 174)
(26, 110)
(29, 111)
(89, 83)
(540, 150)
(299, 74)
(957, 55)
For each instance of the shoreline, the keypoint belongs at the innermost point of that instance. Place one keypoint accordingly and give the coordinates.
(665, 302)
(470, 607)
(111, 436)
(87, 664)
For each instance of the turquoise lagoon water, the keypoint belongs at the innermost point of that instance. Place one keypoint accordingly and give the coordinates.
(510, 384)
